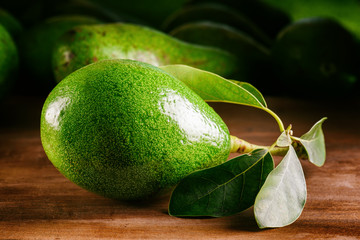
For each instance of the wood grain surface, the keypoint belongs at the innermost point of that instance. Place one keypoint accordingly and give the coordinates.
(37, 202)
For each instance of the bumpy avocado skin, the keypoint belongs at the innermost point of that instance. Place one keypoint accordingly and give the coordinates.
(37, 44)
(126, 130)
(8, 61)
(87, 44)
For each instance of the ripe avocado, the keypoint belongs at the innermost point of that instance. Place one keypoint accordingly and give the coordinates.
(83, 45)
(126, 129)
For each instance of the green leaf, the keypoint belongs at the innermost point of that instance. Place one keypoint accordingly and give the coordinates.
(214, 88)
(284, 140)
(223, 190)
(283, 195)
(314, 144)
(252, 90)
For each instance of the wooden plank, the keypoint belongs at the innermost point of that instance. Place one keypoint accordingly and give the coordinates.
(37, 202)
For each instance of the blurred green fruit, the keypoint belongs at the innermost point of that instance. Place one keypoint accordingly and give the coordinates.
(316, 56)
(37, 44)
(151, 12)
(269, 18)
(254, 58)
(10, 23)
(8, 61)
(219, 14)
(83, 45)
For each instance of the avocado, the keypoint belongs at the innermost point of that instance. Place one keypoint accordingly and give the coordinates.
(83, 45)
(254, 58)
(8, 61)
(316, 57)
(27, 12)
(93, 9)
(269, 18)
(125, 129)
(151, 12)
(10, 23)
(36, 47)
(219, 13)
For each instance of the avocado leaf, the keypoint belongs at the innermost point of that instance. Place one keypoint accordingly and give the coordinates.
(314, 144)
(283, 195)
(214, 88)
(284, 140)
(223, 190)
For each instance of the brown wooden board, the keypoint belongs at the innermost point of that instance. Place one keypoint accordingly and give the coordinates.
(37, 202)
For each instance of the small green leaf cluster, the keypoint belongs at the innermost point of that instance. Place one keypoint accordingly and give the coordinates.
(277, 194)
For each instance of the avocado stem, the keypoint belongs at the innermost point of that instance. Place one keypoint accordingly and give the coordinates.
(276, 117)
(241, 146)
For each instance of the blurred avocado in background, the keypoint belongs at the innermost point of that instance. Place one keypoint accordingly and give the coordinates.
(36, 46)
(94, 9)
(33, 12)
(86, 44)
(254, 58)
(217, 13)
(316, 57)
(269, 18)
(8, 62)
(10, 23)
(347, 12)
(152, 12)
(267, 35)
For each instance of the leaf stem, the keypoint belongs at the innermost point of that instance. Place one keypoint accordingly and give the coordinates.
(241, 146)
(278, 120)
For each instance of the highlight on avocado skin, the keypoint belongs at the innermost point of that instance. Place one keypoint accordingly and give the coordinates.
(127, 130)
(87, 44)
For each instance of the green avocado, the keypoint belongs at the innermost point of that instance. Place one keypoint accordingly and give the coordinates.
(316, 57)
(126, 129)
(11, 24)
(36, 46)
(253, 57)
(91, 8)
(219, 13)
(268, 17)
(83, 45)
(8, 61)
(152, 12)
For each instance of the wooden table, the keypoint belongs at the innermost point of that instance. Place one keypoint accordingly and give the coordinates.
(37, 202)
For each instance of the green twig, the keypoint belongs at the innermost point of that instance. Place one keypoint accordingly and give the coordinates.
(241, 146)
(278, 120)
